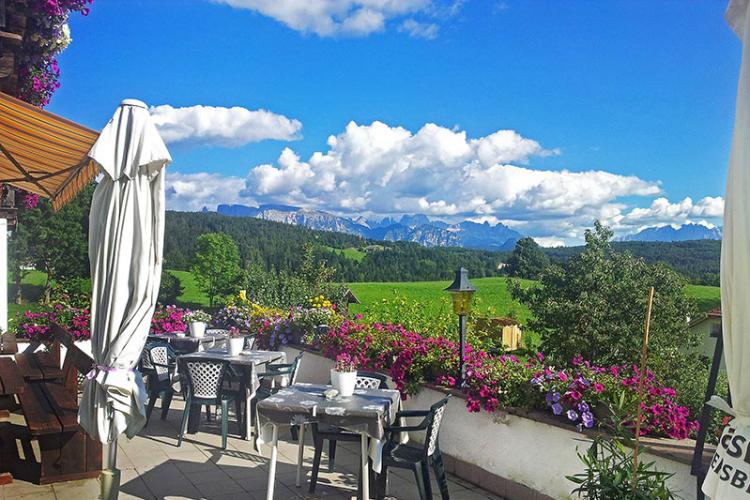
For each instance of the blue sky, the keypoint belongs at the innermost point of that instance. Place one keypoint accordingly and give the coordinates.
(612, 110)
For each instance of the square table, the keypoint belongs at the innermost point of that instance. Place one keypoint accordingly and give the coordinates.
(247, 363)
(367, 412)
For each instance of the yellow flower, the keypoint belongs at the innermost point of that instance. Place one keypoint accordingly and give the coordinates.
(243, 295)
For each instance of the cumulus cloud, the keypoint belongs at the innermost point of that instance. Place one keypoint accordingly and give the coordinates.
(662, 211)
(221, 126)
(350, 17)
(191, 192)
(383, 169)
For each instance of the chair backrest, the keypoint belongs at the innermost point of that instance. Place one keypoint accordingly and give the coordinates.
(146, 365)
(77, 363)
(161, 356)
(434, 419)
(249, 344)
(371, 380)
(204, 377)
(295, 368)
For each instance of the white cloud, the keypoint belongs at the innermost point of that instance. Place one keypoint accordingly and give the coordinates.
(662, 212)
(333, 17)
(381, 169)
(221, 126)
(191, 192)
(415, 29)
(549, 241)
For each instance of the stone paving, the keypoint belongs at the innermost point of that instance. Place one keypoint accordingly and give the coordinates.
(153, 467)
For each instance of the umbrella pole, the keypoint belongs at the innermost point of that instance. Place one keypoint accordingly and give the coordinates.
(110, 476)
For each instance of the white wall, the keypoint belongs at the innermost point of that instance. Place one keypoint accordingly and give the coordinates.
(532, 453)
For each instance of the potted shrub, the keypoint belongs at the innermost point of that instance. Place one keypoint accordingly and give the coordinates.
(197, 321)
(344, 374)
(235, 343)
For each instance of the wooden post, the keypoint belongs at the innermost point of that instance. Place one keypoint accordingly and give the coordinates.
(641, 379)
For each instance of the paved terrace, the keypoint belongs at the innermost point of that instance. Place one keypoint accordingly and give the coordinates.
(153, 467)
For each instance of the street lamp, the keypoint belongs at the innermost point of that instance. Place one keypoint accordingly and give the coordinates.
(462, 291)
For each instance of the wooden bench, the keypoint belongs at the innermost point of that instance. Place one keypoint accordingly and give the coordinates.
(39, 366)
(50, 407)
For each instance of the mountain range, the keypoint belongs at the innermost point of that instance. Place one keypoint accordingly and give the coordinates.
(419, 228)
(685, 232)
(416, 228)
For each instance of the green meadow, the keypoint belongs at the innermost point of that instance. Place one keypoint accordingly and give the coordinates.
(491, 293)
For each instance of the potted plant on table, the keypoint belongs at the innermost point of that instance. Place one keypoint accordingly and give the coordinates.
(197, 321)
(235, 342)
(344, 374)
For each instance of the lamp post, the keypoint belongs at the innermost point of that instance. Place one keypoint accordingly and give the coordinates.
(461, 291)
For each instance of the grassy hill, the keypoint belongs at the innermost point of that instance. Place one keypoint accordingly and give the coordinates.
(492, 292)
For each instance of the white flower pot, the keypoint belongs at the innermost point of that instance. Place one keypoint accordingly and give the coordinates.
(197, 329)
(344, 382)
(235, 345)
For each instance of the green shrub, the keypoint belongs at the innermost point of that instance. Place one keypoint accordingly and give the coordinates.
(609, 474)
(170, 288)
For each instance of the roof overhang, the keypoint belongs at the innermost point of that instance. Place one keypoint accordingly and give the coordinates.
(44, 153)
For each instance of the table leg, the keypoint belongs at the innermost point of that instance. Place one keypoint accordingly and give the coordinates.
(249, 395)
(272, 464)
(365, 473)
(300, 454)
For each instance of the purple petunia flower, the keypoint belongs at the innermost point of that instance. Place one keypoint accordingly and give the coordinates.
(572, 415)
(557, 409)
(588, 419)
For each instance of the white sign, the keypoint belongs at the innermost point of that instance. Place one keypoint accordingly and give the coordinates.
(729, 473)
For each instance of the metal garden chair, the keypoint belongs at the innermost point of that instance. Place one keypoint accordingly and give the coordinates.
(284, 371)
(365, 380)
(158, 362)
(250, 342)
(204, 387)
(416, 459)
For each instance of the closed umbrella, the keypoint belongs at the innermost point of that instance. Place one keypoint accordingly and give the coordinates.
(126, 233)
(729, 474)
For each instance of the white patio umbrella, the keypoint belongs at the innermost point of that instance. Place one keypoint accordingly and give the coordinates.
(729, 474)
(126, 233)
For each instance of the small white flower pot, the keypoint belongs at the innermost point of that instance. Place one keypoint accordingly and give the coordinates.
(344, 382)
(197, 329)
(235, 345)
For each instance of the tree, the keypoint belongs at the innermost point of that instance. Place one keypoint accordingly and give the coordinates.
(216, 265)
(595, 305)
(170, 288)
(55, 242)
(527, 260)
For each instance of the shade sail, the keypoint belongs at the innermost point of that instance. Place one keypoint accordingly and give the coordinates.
(126, 233)
(729, 474)
(44, 153)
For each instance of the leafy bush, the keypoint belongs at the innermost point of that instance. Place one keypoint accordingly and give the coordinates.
(595, 306)
(609, 474)
(286, 290)
(170, 288)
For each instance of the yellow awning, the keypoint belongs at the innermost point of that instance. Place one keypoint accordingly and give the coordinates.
(42, 152)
